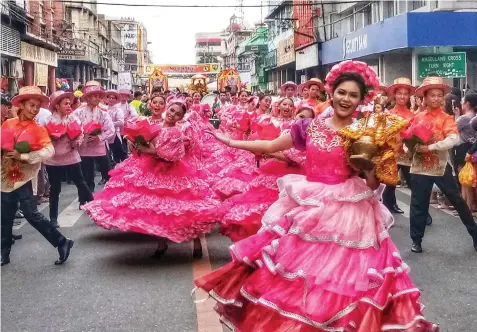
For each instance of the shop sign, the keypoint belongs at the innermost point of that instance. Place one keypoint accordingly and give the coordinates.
(73, 47)
(285, 51)
(447, 65)
(354, 44)
(185, 69)
(41, 74)
(37, 54)
(124, 80)
(307, 57)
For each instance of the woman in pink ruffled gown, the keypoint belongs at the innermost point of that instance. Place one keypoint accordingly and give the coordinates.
(323, 259)
(159, 190)
(245, 211)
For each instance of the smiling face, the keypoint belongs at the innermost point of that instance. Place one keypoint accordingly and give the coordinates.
(346, 99)
(314, 91)
(402, 96)
(157, 106)
(196, 98)
(111, 99)
(434, 98)
(29, 109)
(305, 93)
(265, 103)
(286, 108)
(243, 97)
(174, 113)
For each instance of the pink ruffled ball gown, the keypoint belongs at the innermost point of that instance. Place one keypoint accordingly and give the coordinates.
(245, 210)
(323, 260)
(164, 195)
(234, 168)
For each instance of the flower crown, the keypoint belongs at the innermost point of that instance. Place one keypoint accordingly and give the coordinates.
(350, 66)
(178, 100)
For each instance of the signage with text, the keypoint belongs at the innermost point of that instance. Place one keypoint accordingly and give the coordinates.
(185, 69)
(448, 65)
(37, 54)
(355, 44)
(285, 51)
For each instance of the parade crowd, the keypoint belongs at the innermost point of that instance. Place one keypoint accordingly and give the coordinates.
(310, 227)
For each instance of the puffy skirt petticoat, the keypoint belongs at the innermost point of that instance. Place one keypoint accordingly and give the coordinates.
(144, 195)
(322, 261)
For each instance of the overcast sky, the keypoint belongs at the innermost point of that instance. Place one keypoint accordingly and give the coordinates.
(172, 30)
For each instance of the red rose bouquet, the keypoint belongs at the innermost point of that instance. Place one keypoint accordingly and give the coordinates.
(73, 130)
(141, 132)
(419, 133)
(93, 128)
(56, 131)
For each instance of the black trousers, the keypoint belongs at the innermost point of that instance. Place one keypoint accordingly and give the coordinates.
(421, 194)
(389, 194)
(117, 149)
(87, 167)
(28, 204)
(56, 174)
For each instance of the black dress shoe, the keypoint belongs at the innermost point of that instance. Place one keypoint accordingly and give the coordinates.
(429, 220)
(5, 259)
(416, 247)
(64, 251)
(54, 223)
(397, 209)
(17, 236)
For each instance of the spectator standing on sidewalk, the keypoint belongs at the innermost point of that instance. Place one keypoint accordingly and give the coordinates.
(430, 164)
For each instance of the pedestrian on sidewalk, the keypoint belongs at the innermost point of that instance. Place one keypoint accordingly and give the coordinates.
(66, 159)
(18, 171)
(93, 148)
(430, 163)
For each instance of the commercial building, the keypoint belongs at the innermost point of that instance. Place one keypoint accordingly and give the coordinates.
(404, 38)
(207, 47)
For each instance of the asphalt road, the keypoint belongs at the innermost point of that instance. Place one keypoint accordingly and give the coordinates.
(110, 284)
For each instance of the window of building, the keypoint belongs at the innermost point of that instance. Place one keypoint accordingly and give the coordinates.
(352, 22)
(401, 7)
(417, 4)
(367, 15)
(388, 9)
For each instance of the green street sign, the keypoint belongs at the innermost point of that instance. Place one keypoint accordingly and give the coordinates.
(447, 65)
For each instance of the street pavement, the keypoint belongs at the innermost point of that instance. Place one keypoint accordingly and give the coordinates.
(110, 284)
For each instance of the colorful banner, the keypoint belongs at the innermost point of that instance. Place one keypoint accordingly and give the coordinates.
(185, 69)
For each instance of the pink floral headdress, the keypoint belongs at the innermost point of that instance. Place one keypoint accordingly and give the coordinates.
(350, 66)
(179, 100)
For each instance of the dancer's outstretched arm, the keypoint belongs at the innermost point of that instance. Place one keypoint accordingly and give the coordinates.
(281, 143)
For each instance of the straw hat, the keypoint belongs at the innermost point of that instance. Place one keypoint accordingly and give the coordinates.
(314, 81)
(92, 89)
(432, 83)
(30, 92)
(383, 87)
(125, 92)
(58, 96)
(401, 82)
(93, 83)
(114, 93)
(286, 85)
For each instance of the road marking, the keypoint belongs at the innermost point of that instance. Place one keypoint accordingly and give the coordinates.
(406, 208)
(70, 215)
(207, 318)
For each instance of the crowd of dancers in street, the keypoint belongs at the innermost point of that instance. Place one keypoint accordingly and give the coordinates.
(311, 249)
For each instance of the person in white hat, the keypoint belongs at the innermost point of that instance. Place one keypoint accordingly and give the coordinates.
(430, 163)
(20, 166)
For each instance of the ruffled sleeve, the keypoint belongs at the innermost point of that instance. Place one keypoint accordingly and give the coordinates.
(299, 133)
(169, 144)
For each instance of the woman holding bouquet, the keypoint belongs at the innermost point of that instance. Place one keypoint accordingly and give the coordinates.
(158, 190)
(65, 130)
(98, 129)
(28, 146)
(323, 260)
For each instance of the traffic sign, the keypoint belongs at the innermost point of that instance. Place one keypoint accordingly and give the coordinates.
(447, 65)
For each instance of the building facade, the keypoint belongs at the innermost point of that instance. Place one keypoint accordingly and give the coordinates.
(404, 38)
(207, 47)
(13, 26)
(235, 34)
